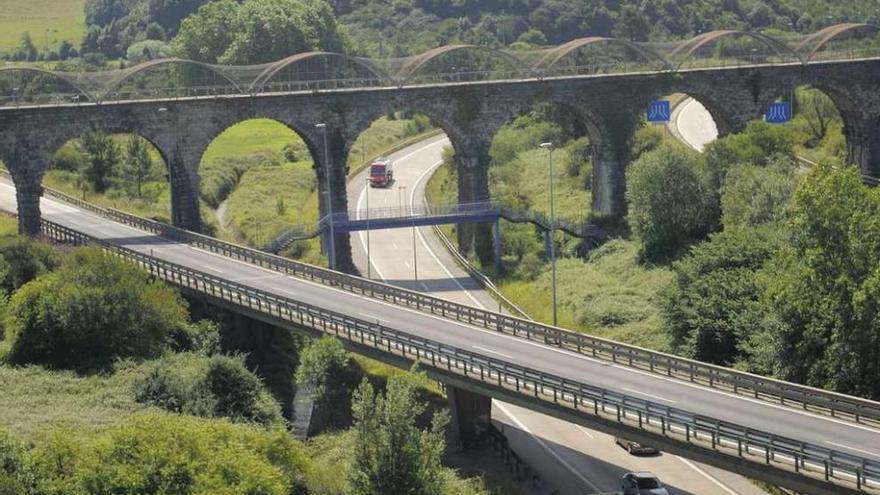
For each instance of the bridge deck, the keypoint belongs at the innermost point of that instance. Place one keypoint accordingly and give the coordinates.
(857, 440)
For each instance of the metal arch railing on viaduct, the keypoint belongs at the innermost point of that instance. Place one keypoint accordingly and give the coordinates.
(683, 51)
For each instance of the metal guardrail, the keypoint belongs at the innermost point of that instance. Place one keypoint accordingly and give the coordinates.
(717, 377)
(702, 432)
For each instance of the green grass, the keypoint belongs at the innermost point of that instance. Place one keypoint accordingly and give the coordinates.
(65, 20)
(610, 295)
(35, 399)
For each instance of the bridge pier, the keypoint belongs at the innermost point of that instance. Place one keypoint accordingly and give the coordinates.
(863, 145)
(470, 416)
(611, 131)
(185, 207)
(473, 186)
(335, 188)
(28, 191)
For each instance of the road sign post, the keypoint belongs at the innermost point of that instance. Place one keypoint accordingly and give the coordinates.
(660, 112)
(779, 112)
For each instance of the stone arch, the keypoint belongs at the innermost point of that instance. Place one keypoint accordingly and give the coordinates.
(815, 42)
(687, 49)
(554, 56)
(415, 65)
(274, 68)
(60, 76)
(131, 72)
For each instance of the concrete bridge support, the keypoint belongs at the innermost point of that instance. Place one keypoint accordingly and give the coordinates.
(472, 166)
(611, 131)
(28, 191)
(471, 414)
(336, 161)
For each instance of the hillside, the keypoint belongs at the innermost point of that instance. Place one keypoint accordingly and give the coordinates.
(58, 19)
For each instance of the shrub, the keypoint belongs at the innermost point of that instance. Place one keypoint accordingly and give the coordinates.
(671, 201)
(714, 306)
(172, 454)
(24, 260)
(219, 386)
(753, 195)
(16, 476)
(90, 312)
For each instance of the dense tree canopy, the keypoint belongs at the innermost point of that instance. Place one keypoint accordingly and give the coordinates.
(91, 311)
(825, 290)
(258, 31)
(670, 199)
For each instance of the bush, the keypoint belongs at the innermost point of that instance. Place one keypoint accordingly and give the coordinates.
(23, 260)
(16, 476)
(753, 195)
(219, 386)
(324, 370)
(171, 454)
(671, 201)
(757, 145)
(714, 307)
(91, 311)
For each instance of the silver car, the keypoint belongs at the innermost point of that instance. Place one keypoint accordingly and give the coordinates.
(642, 483)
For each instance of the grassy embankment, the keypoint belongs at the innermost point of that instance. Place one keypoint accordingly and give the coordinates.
(610, 294)
(58, 19)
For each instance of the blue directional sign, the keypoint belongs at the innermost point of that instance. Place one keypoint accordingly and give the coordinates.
(660, 111)
(779, 112)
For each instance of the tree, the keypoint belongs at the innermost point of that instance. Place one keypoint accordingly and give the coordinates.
(91, 311)
(258, 31)
(26, 48)
(632, 24)
(324, 370)
(818, 111)
(392, 455)
(671, 202)
(758, 144)
(138, 164)
(102, 158)
(715, 304)
(825, 286)
(753, 195)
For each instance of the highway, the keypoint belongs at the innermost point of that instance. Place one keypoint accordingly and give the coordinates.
(819, 430)
(573, 459)
(692, 124)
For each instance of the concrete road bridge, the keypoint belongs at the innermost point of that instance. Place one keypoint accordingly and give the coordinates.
(469, 92)
(809, 440)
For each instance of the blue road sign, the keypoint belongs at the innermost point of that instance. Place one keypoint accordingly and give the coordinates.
(779, 112)
(660, 111)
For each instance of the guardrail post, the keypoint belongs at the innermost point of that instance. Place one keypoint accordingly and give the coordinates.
(687, 433)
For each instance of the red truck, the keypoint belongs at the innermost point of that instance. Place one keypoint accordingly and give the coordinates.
(381, 173)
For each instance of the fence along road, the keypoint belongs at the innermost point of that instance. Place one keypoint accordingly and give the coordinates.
(678, 416)
(724, 379)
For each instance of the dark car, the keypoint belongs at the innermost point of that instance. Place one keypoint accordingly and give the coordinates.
(642, 483)
(635, 448)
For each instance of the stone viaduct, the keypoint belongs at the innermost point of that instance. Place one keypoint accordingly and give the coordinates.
(609, 107)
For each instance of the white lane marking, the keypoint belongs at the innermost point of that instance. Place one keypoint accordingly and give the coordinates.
(639, 392)
(678, 126)
(585, 432)
(707, 475)
(428, 247)
(547, 448)
(394, 245)
(851, 448)
(362, 235)
(486, 349)
(407, 263)
(506, 336)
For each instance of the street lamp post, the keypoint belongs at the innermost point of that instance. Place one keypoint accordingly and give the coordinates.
(549, 148)
(401, 197)
(331, 245)
(369, 262)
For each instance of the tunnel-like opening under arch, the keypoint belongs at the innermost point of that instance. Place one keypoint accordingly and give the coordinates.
(114, 168)
(259, 179)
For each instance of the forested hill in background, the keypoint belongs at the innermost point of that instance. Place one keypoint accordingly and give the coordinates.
(403, 27)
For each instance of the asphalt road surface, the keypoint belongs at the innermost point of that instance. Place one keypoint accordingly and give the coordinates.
(807, 427)
(692, 124)
(575, 460)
